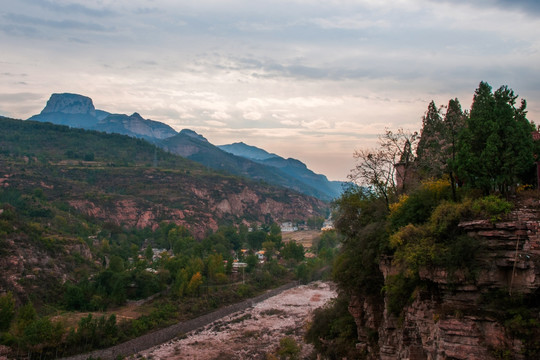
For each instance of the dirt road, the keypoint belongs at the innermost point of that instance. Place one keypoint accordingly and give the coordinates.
(253, 333)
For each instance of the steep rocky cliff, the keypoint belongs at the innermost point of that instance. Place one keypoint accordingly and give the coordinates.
(69, 104)
(458, 316)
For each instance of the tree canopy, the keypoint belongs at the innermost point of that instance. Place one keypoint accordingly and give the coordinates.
(495, 149)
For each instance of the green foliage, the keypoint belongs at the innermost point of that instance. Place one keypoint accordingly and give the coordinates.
(215, 267)
(399, 290)
(116, 264)
(491, 206)
(288, 349)
(416, 208)
(57, 142)
(431, 143)
(255, 239)
(293, 251)
(315, 222)
(251, 261)
(41, 334)
(496, 147)
(361, 218)
(148, 253)
(93, 333)
(333, 331)
(520, 315)
(7, 311)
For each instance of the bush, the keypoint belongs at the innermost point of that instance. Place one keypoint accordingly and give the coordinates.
(491, 206)
(416, 208)
(399, 290)
(289, 349)
(333, 331)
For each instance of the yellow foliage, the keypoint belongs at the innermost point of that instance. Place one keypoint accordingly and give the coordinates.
(405, 235)
(195, 282)
(436, 186)
(397, 205)
(523, 187)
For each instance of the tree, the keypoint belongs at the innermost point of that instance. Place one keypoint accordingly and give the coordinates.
(292, 250)
(116, 264)
(429, 155)
(215, 266)
(496, 148)
(42, 333)
(315, 222)
(7, 310)
(255, 239)
(251, 261)
(195, 283)
(454, 123)
(149, 253)
(387, 170)
(180, 284)
(360, 217)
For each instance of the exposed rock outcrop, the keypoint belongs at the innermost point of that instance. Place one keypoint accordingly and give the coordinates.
(446, 319)
(69, 104)
(135, 126)
(241, 203)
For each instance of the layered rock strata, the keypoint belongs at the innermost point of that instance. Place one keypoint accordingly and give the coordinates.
(446, 319)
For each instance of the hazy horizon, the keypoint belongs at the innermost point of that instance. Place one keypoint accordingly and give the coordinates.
(303, 79)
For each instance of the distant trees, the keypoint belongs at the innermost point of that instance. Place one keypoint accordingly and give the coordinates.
(7, 310)
(293, 251)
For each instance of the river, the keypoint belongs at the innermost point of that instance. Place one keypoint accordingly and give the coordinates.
(252, 333)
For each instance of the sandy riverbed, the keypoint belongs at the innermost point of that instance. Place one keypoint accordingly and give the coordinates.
(253, 333)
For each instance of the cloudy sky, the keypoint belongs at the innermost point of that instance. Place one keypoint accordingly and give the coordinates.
(308, 79)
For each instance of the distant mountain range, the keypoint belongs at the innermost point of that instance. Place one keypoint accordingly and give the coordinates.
(292, 167)
(240, 159)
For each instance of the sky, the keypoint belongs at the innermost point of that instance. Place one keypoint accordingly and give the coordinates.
(308, 79)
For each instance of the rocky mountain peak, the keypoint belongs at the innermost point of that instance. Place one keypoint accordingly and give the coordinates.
(69, 104)
(193, 134)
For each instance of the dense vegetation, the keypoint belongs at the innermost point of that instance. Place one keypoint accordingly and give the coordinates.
(412, 192)
(76, 263)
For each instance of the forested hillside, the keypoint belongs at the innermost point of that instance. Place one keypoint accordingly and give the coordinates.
(90, 220)
(441, 253)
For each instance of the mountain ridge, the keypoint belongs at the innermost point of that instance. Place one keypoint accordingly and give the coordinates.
(293, 167)
(78, 111)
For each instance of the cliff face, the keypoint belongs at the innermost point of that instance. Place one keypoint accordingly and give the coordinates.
(448, 319)
(240, 203)
(69, 104)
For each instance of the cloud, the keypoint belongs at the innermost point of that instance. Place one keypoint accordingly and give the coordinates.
(316, 124)
(70, 8)
(57, 24)
(16, 97)
(252, 115)
(326, 72)
(215, 123)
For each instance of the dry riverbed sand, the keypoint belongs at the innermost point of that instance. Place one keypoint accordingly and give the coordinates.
(253, 333)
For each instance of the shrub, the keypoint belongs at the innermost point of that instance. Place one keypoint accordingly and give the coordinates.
(333, 331)
(491, 206)
(399, 290)
(416, 208)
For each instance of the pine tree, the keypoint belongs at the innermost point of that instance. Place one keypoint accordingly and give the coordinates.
(454, 123)
(496, 148)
